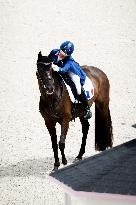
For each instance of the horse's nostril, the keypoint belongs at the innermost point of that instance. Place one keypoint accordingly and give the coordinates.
(47, 88)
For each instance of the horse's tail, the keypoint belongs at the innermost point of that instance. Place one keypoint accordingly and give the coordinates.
(103, 127)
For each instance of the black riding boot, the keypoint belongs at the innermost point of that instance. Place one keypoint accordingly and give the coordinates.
(83, 100)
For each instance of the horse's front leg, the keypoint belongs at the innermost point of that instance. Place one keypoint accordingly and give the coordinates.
(52, 130)
(64, 130)
(85, 128)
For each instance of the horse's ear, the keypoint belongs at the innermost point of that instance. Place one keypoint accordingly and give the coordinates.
(39, 56)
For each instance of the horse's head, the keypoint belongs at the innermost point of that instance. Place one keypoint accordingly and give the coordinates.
(44, 73)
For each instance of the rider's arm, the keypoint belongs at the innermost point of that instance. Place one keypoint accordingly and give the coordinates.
(65, 68)
(52, 54)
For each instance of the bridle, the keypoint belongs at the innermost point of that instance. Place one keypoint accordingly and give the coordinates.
(43, 63)
(52, 110)
(38, 75)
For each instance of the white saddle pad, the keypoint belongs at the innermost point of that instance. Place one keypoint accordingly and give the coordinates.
(88, 87)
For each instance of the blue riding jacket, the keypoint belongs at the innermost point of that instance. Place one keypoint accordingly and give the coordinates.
(67, 64)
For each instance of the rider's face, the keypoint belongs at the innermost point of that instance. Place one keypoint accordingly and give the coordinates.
(62, 55)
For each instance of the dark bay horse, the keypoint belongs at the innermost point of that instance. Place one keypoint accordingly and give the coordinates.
(55, 106)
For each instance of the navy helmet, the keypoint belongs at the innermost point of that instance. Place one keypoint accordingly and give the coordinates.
(67, 47)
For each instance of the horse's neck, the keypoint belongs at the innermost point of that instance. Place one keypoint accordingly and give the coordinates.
(58, 85)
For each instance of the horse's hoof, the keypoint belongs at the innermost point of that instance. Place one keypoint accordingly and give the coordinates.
(64, 161)
(56, 166)
(55, 169)
(77, 159)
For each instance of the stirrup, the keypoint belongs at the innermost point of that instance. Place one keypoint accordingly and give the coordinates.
(88, 114)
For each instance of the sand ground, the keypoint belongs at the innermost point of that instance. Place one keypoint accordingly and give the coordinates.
(104, 34)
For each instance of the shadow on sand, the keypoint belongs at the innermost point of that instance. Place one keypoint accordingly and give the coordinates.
(134, 125)
(35, 167)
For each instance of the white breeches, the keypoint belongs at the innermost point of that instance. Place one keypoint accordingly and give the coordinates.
(76, 79)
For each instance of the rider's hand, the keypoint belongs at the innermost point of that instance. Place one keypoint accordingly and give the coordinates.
(55, 68)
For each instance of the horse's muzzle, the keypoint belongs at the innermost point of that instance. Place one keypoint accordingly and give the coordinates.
(48, 89)
(49, 92)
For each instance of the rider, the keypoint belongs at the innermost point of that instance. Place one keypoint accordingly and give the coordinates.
(66, 64)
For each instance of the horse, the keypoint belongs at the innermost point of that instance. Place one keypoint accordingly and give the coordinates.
(56, 106)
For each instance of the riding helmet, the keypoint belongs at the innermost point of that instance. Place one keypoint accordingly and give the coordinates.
(67, 47)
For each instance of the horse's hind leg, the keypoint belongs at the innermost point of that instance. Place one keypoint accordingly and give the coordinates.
(52, 130)
(85, 128)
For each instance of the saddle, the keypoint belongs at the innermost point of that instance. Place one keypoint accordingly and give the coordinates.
(87, 92)
(87, 88)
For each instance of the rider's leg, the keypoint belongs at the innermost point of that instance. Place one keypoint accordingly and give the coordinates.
(84, 101)
(81, 94)
(69, 81)
(76, 79)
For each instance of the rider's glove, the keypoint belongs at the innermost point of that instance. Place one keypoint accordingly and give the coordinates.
(55, 68)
